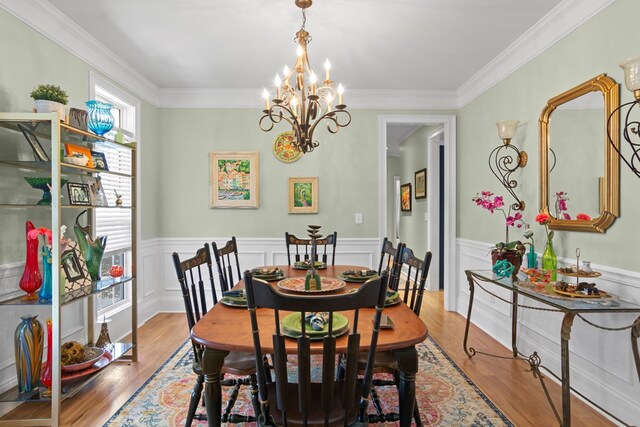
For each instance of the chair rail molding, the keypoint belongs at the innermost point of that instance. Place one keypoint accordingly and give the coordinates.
(604, 372)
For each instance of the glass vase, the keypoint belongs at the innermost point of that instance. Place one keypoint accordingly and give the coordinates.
(47, 279)
(532, 258)
(31, 278)
(100, 119)
(549, 260)
(46, 373)
(28, 353)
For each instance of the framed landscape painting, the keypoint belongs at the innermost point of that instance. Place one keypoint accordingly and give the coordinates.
(405, 197)
(421, 184)
(303, 195)
(234, 179)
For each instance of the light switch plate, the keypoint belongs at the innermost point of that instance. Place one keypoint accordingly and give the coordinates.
(359, 218)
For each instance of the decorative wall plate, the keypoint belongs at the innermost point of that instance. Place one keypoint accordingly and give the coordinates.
(283, 148)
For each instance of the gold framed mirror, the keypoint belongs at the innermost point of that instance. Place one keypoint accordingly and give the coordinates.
(579, 168)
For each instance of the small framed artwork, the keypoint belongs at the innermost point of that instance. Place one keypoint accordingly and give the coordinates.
(99, 161)
(31, 138)
(234, 179)
(421, 184)
(405, 197)
(75, 270)
(78, 194)
(97, 197)
(303, 195)
(79, 151)
(78, 118)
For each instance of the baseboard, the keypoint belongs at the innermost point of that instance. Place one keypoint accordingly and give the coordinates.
(602, 366)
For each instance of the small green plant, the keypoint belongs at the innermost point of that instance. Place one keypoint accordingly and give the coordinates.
(50, 93)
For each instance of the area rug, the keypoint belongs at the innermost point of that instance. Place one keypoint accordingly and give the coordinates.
(446, 396)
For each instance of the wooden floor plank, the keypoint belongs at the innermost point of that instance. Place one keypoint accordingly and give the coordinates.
(505, 382)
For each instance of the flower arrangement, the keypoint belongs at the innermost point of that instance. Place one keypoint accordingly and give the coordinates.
(50, 93)
(583, 217)
(561, 205)
(47, 237)
(488, 201)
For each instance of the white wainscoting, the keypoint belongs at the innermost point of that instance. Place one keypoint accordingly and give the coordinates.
(602, 366)
(253, 252)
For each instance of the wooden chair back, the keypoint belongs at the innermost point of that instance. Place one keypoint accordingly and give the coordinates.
(396, 267)
(387, 256)
(326, 247)
(331, 400)
(225, 258)
(416, 277)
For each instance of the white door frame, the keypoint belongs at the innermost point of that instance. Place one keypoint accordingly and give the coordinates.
(449, 125)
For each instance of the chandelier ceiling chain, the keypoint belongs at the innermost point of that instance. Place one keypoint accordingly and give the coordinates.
(300, 100)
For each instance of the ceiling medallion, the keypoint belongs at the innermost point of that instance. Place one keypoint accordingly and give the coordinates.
(301, 101)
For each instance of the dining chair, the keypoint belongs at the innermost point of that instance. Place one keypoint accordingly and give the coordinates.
(224, 262)
(192, 274)
(410, 284)
(387, 255)
(302, 401)
(327, 244)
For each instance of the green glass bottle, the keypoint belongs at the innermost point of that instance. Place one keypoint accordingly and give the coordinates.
(550, 260)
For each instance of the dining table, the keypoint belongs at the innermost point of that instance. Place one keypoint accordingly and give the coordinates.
(227, 328)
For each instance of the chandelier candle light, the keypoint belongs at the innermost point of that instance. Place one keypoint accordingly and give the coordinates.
(503, 164)
(301, 100)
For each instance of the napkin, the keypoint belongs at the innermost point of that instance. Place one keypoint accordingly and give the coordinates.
(317, 320)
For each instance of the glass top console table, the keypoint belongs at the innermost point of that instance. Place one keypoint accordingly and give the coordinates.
(570, 307)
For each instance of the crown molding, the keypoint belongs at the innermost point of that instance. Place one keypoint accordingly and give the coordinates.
(43, 17)
(560, 21)
(359, 99)
(53, 24)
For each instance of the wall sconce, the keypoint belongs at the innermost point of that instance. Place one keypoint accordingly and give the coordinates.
(503, 163)
(631, 127)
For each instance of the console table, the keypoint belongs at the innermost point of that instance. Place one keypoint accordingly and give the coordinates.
(570, 307)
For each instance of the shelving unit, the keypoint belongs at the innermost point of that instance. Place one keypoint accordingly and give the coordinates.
(54, 134)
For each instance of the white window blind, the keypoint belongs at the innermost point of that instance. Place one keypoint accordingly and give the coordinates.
(116, 223)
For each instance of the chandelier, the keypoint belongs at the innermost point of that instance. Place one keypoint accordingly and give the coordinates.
(301, 100)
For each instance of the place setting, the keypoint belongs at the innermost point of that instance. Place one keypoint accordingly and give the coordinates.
(358, 276)
(316, 325)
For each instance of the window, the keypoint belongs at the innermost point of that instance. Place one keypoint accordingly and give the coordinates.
(116, 223)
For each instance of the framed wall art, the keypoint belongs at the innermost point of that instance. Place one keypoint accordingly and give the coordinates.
(421, 184)
(99, 160)
(303, 195)
(234, 179)
(405, 197)
(31, 138)
(79, 151)
(78, 194)
(76, 275)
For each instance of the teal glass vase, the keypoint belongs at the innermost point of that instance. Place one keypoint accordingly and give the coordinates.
(45, 293)
(550, 260)
(28, 345)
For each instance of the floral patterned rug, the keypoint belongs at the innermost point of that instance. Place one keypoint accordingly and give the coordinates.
(446, 396)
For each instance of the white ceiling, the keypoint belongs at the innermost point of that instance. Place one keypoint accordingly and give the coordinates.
(372, 44)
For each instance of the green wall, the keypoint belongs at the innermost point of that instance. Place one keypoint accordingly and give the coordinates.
(595, 47)
(413, 157)
(346, 165)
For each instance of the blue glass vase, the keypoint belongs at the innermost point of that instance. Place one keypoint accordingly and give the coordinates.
(100, 120)
(47, 279)
(28, 345)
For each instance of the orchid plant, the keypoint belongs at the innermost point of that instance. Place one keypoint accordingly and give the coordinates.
(47, 237)
(562, 212)
(488, 201)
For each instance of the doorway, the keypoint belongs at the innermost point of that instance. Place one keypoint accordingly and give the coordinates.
(441, 244)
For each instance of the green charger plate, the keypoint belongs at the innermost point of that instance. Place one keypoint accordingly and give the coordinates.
(357, 279)
(234, 302)
(392, 298)
(291, 326)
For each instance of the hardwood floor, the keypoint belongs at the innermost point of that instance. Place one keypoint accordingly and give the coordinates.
(505, 382)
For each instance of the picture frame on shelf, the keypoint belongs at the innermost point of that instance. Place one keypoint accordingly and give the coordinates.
(99, 161)
(421, 184)
(303, 195)
(78, 118)
(39, 153)
(77, 151)
(76, 275)
(405, 197)
(78, 194)
(234, 179)
(97, 196)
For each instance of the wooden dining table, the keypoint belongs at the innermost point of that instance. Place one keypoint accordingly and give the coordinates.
(225, 328)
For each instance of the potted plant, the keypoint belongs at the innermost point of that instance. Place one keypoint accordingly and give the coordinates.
(49, 98)
(512, 251)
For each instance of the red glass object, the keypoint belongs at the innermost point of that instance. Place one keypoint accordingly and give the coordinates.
(116, 271)
(46, 373)
(31, 278)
